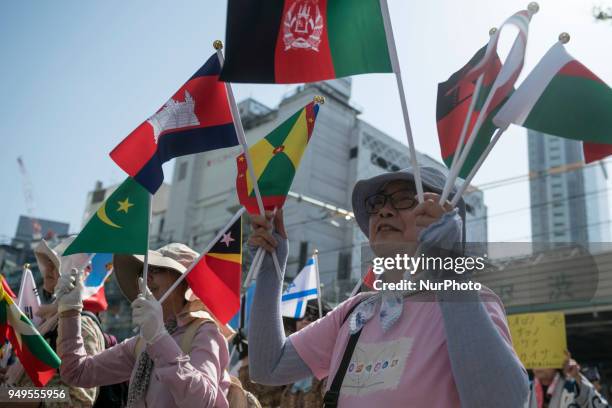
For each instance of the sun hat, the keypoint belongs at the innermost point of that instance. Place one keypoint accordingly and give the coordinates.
(44, 250)
(127, 268)
(433, 181)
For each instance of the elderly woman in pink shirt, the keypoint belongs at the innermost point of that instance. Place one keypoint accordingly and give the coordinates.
(180, 357)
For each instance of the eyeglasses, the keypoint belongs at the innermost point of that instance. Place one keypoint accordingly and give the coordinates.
(400, 200)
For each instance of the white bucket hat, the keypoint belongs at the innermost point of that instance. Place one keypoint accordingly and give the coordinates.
(127, 268)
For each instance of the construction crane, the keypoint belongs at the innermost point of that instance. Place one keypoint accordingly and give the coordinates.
(29, 200)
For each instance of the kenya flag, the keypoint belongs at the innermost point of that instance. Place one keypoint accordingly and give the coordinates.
(292, 41)
(564, 98)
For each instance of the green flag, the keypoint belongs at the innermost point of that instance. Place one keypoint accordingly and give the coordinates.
(119, 226)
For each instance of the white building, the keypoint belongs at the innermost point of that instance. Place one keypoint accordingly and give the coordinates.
(342, 150)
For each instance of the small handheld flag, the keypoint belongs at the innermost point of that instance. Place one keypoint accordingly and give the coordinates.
(276, 158)
(119, 225)
(36, 356)
(215, 279)
(302, 289)
(196, 119)
(292, 41)
(28, 299)
(94, 298)
(564, 98)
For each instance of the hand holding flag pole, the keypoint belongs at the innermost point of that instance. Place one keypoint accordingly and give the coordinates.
(218, 45)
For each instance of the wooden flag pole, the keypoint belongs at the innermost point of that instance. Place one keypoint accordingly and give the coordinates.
(400, 87)
(315, 256)
(204, 252)
(218, 45)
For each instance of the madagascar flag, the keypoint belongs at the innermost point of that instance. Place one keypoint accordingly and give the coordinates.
(215, 279)
(291, 41)
(454, 99)
(275, 159)
(39, 361)
(197, 118)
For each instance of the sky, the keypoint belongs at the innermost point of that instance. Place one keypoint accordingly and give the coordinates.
(77, 77)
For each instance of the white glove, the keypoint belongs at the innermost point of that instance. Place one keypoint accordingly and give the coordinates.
(69, 291)
(147, 313)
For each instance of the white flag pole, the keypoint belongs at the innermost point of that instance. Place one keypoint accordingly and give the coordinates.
(459, 149)
(476, 167)
(356, 288)
(315, 256)
(400, 87)
(218, 45)
(204, 252)
(255, 265)
(532, 9)
(145, 266)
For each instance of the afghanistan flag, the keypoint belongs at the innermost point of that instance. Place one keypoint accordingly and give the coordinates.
(564, 98)
(197, 118)
(454, 99)
(291, 41)
(275, 159)
(119, 226)
(215, 278)
(38, 359)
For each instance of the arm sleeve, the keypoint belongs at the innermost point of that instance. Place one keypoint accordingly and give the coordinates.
(193, 380)
(272, 358)
(111, 366)
(587, 396)
(483, 361)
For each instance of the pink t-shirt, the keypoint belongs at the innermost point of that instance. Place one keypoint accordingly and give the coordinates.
(408, 366)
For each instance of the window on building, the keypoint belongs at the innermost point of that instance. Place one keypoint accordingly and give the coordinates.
(303, 255)
(344, 266)
(97, 196)
(353, 152)
(182, 171)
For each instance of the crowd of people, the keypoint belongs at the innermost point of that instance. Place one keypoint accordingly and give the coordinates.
(376, 349)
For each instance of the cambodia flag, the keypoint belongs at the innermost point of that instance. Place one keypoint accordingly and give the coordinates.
(197, 118)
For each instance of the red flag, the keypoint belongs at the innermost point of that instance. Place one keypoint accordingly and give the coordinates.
(215, 279)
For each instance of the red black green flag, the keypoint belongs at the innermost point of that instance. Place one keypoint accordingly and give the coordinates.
(454, 99)
(292, 41)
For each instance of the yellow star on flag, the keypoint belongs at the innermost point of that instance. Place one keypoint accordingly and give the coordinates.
(124, 205)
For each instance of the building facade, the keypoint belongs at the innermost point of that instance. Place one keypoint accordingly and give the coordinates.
(569, 201)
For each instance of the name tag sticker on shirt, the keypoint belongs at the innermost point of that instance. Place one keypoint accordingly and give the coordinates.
(376, 366)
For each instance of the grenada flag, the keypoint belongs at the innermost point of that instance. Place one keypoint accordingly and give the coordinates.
(562, 97)
(36, 356)
(292, 41)
(276, 158)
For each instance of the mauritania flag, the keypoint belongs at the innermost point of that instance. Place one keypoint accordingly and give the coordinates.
(195, 119)
(302, 289)
(564, 98)
(275, 159)
(119, 225)
(36, 356)
(453, 103)
(291, 41)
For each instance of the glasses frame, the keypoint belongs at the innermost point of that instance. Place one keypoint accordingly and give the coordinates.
(389, 198)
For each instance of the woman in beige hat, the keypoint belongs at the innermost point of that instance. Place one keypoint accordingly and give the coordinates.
(181, 356)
